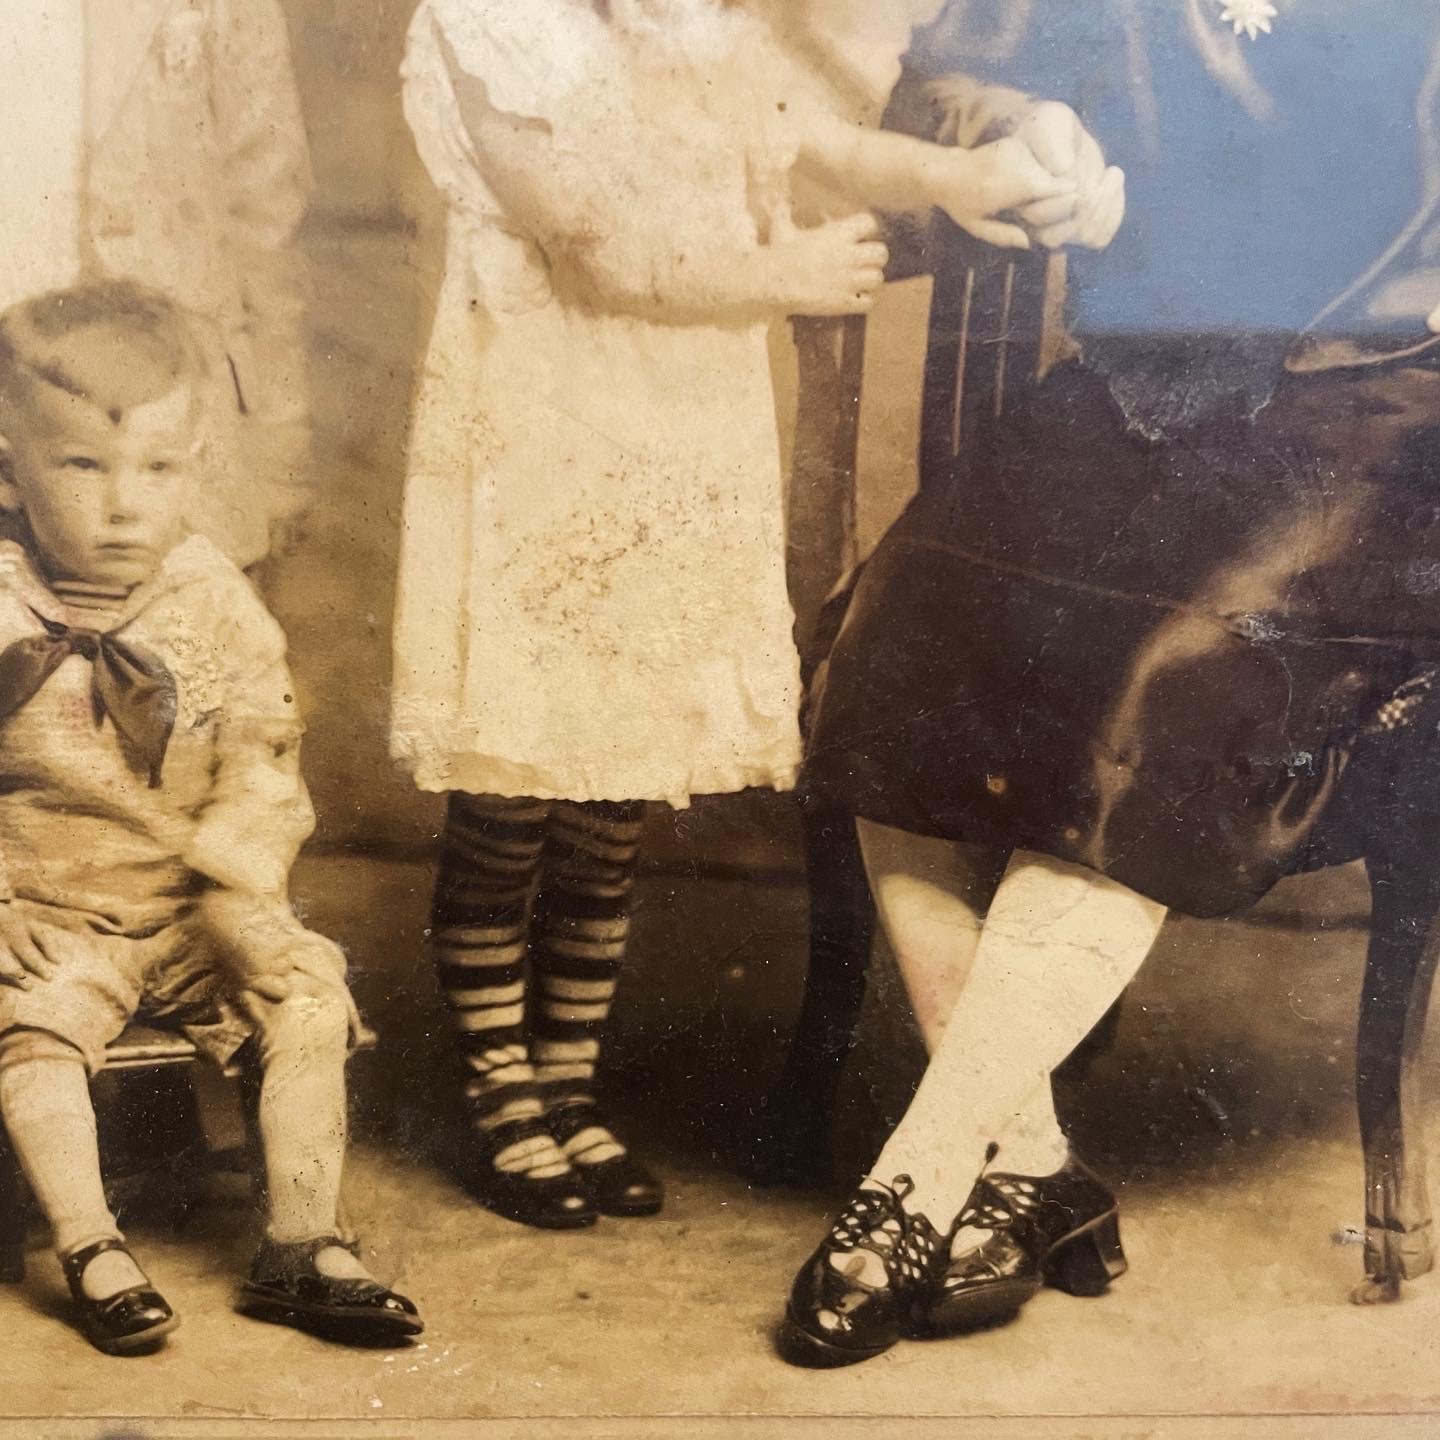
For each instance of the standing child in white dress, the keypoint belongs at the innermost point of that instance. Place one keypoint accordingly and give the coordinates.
(593, 608)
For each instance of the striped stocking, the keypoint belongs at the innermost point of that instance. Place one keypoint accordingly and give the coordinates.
(582, 923)
(489, 861)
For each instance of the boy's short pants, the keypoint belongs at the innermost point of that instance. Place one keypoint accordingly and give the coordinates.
(104, 980)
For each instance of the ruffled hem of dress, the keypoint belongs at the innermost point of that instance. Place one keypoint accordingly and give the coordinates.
(491, 775)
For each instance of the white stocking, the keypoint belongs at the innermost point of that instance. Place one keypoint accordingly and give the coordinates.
(303, 1042)
(45, 1102)
(1059, 945)
(47, 1110)
(932, 896)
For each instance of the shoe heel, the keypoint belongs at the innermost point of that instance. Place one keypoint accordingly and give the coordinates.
(1086, 1264)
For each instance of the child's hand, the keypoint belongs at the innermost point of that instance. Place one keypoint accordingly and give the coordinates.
(1091, 213)
(268, 953)
(1098, 217)
(975, 187)
(1062, 144)
(318, 960)
(25, 955)
(1059, 140)
(254, 938)
(832, 269)
(307, 962)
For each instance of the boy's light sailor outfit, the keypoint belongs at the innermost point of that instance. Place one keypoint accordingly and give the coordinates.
(157, 755)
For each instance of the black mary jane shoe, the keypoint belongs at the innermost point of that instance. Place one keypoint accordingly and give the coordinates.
(555, 1202)
(621, 1186)
(286, 1288)
(836, 1318)
(1061, 1230)
(134, 1321)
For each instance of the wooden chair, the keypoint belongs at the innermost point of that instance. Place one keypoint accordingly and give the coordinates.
(996, 326)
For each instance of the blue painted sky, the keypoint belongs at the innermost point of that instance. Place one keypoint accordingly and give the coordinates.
(1238, 220)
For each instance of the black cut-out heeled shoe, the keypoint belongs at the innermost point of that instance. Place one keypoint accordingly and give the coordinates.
(286, 1288)
(134, 1321)
(621, 1186)
(555, 1202)
(837, 1317)
(1061, 1230)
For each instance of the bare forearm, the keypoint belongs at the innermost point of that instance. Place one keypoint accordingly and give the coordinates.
(881, 170)
(681, 285)
(616, 254)
(612, 256)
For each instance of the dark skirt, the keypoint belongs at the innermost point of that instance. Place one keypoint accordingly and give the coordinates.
(1195, 664)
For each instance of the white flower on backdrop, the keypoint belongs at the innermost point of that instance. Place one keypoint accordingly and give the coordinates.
(1249, 17)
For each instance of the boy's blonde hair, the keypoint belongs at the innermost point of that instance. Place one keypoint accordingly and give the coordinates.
(113, 344)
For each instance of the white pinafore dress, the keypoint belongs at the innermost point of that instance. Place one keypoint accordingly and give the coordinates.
(592, 600)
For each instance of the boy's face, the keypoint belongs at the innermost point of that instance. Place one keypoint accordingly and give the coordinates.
(104, 495)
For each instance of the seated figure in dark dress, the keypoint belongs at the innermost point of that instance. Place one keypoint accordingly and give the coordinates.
(1173, 638)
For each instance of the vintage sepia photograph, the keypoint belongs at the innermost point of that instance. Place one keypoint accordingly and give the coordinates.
(719, 718)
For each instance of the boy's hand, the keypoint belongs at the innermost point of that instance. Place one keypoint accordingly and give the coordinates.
(305, 962)
(25, 949)
(267, 951)
(252, 933)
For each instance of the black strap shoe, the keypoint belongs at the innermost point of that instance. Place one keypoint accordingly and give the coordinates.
(837, 1317)
(286, 1288)
(620, 1186)
(1061, 1230)
(551, 1202)
(134, 1321)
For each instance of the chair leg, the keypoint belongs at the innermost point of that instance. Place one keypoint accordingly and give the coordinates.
(218, 1109)
(796, 1145)
(1399, 973)
(14, 1215)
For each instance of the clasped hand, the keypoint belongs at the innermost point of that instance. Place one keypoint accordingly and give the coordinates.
(1040, 176)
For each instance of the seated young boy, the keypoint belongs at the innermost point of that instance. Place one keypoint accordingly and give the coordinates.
(151, 805)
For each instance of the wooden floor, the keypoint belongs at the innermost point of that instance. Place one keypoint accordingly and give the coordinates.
(1222, 1112)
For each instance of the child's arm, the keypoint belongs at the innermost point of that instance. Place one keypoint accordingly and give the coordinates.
(896, 172)
(622, 260)
(258, 812)
(1006, 150)
(257, 817)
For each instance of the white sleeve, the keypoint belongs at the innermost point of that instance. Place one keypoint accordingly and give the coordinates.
(507, 270)
(529, 54)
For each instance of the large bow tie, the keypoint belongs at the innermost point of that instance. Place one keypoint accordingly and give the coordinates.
(130, 685)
